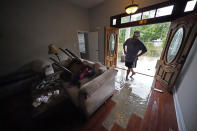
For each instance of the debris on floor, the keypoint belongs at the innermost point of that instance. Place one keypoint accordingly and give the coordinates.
(158, 90)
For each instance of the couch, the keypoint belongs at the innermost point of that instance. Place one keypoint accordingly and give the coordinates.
(94, 91)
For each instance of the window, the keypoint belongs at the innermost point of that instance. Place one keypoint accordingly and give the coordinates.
(81, 39)
(114, 21)
(161, 12)
(175, 45)
(190, 5)
(125, 19)
(136, 17)
(148, 14)
(164, 11)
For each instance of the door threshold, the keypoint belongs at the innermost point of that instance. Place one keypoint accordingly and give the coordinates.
(135, 72)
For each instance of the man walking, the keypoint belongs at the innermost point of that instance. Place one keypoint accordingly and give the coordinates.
(133, 46)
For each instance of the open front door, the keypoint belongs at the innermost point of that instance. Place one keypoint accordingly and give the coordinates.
(111, 44)
(180, 39)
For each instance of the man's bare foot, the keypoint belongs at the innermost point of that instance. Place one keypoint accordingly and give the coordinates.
(132, 78)
(132, 75)
(127, 79)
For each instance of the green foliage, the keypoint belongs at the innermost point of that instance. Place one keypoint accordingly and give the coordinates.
(122, 35)
(148, 33)
(152, 32)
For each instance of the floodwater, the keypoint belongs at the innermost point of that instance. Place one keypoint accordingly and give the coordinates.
(140, 84)
(145, 65)
(131, 97)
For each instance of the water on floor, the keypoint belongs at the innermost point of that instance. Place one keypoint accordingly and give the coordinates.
(145, 65)
(131, 97)
(140, 84)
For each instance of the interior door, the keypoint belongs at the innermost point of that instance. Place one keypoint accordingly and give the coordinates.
(111, 44)
(93, 46)
(179, 41)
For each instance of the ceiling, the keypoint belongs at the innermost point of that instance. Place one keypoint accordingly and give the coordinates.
(86, 3)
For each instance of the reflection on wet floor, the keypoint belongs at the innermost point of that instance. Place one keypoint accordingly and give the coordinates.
(140, 84)
(131, 97)
(145, 65)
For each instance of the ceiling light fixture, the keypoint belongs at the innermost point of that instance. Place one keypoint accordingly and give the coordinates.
(131, 8)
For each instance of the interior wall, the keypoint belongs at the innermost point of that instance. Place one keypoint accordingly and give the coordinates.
(99, 17)
(186, 90)
(27, 27)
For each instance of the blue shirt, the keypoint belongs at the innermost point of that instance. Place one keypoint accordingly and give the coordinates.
(133, 47)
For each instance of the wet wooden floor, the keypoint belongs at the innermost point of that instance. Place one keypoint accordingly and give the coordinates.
(160, 115)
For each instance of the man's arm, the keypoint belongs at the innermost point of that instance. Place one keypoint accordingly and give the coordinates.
(124, 48)
(141, 53)
(143, 50)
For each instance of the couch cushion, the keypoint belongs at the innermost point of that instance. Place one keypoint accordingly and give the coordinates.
(99, 68)
(90, 87)
(73, 91)
(89, 63)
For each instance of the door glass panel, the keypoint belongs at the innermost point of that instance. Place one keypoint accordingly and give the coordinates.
(125, 19)
(148, 14)
(136, 17)
(175, 45)
(114, 21)
(111, 45)
(190, 5)
(164, 11)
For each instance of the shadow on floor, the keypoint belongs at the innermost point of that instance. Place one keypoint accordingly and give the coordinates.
(64, 116)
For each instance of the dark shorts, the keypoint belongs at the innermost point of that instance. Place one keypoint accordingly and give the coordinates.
(131, 64)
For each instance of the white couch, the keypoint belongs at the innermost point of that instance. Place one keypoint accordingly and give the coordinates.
(94, 91)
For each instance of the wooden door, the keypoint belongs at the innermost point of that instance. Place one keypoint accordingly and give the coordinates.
(180, 39)
(111, 44)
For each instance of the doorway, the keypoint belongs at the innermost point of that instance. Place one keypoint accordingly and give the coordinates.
(88, 45)
(83, 44)
(153, 36)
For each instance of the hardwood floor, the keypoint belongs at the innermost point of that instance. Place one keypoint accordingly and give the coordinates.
(135, 123)
(95, 122)
(116, 127)
(160, 115)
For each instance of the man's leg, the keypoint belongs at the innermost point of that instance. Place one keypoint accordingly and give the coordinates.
(128, 71)
(133, 73)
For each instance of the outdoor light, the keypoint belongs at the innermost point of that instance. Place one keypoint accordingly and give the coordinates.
(131, 8)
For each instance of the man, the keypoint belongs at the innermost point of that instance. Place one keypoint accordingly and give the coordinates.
(134, 45)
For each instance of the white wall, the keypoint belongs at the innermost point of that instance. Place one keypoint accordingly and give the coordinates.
(186, 91)
(99, 16)
(27, 27)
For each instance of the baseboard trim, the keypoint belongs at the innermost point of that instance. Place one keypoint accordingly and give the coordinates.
(179, 115)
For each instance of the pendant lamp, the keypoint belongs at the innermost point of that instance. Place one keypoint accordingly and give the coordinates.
(130, 9)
